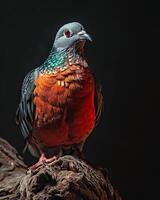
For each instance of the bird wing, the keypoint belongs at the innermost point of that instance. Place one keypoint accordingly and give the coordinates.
(99, 101)
(26, 109)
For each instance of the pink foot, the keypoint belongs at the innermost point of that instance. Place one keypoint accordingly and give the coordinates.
(42, 160)
(49, 160)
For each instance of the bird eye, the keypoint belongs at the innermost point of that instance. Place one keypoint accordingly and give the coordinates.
(67, 33)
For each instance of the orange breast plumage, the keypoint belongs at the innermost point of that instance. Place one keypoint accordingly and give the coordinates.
(64, 101)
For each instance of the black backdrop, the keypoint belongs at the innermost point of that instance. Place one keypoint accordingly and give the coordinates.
(123, 55)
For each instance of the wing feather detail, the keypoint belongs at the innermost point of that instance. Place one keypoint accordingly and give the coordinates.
(26, 109)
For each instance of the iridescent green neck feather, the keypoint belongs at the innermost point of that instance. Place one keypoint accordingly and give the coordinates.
(62, 60)
(54, 60)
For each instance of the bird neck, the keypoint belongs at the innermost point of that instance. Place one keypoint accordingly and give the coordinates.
(62, 59)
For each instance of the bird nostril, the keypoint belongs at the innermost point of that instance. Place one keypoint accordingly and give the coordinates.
(81, 32)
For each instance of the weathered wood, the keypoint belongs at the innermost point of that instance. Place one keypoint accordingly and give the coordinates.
(67, 178)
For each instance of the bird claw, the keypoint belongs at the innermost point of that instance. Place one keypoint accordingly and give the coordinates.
(49, 160)
(36, 166)
(42, 161)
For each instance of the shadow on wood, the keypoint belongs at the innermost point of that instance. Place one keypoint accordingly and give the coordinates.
(67, 178)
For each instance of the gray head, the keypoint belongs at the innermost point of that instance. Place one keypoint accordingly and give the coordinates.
(70, 34)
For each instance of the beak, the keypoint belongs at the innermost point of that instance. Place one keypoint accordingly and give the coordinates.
(84, 36)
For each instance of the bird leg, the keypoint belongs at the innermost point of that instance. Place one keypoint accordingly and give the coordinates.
(74, 150)
(79, 150)
(43, 160)
(49, 160)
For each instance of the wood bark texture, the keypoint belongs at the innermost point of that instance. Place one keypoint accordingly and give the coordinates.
(67, 178)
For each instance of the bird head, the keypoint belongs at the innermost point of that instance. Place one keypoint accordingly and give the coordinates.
(69, 35)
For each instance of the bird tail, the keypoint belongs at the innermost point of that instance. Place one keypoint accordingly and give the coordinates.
(25, 148)
(31, 149)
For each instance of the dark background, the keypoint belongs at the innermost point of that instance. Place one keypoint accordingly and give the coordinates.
(125, 58)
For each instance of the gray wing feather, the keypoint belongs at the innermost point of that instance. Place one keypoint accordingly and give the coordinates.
(26, 109)
(99, 101)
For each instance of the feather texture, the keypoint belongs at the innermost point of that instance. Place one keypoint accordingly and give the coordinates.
(58, 107)
(25, 111)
